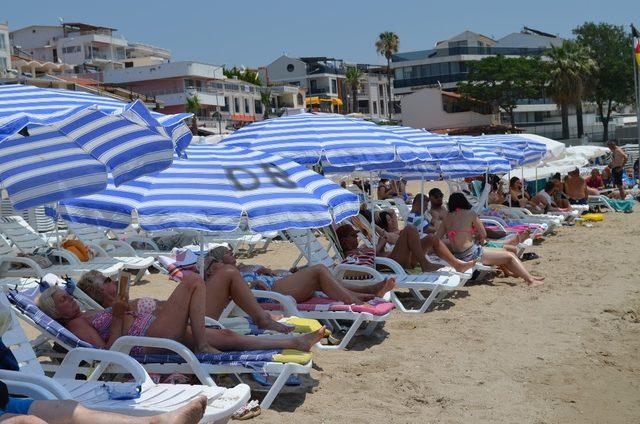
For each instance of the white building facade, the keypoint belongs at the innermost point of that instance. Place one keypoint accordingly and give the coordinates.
(5, 49)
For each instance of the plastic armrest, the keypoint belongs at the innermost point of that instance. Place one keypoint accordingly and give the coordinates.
(144, 241)
(55, 388)
(342, 269)
(124, 345)
(71, 363)
(390, 263)
(289, 305)
(20, 260)
(490, 221)
(98, 250)
(66, 255)
(117, 244)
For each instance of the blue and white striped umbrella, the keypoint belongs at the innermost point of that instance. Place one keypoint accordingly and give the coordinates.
(56, 144)
(476, 160)
(213, 188)
(439, 146)
(519, 150)
(331, 139)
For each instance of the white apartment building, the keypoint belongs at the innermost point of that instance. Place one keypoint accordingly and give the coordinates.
(223, 101)
(373, 93)
(322, 77)
(5, 49)
(87, 47)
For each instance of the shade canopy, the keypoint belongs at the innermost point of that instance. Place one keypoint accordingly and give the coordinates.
(331, 139)
(56, 144)
(213, 189)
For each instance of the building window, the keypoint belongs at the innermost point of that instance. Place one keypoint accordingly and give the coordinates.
(257, 106)
(290, 67)
(300, 101)
(3, 42)
(381, 90)
(375, 107)
(381, 107)
(225, 108)
(71, 49)
(334, 86)
(3, 63)
(247, 110)
(236, 105)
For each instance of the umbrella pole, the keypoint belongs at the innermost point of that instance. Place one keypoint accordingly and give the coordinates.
(374, 239)
(421, 201)
(201, 256)
(522, 179)
(57, 218)
(536, 189)
(509, 188)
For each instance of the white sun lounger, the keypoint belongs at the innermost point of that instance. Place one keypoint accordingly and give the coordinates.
(438, 284)
(154, 398)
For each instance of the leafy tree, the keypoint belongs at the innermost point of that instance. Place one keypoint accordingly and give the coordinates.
(612, 82)
(387, 45)
(353, 76)
(569, 68)
(247, 75)
(501, 82)
(265, 99)
(193, 106)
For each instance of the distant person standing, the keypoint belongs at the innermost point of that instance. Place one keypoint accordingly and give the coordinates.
(618, 159)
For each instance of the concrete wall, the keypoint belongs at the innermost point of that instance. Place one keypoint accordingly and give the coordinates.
(277, 70)
(161, 71)
(423, 109)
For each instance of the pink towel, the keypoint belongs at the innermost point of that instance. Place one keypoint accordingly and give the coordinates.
(376, 306)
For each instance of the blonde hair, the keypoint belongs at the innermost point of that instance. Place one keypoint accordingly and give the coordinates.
(46, 303)
(217, 253)
(92, 285)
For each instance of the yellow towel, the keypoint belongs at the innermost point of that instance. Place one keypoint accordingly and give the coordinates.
(593, 217)
(304, 325)
(293, 356)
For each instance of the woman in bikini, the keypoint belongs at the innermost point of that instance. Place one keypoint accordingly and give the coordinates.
(226, 286)
(181, 319)
(467, 234)
(301, 285)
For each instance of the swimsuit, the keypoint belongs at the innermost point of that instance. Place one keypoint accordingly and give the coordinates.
(101, 321)
(582, 201)
(146, 305)
(252, 276)
(17, 406)
(471, 254)
(616, 175)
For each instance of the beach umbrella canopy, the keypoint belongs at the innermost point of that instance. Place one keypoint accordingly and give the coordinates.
(475, 160)
(213, 189)
(518, 150)
(56, 145)
(439, 146)
(327, 139)
(555, 149)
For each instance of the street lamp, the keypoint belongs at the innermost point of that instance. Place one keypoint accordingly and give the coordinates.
(216, 114)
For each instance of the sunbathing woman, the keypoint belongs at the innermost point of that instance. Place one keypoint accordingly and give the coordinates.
(181, 319)
(226, 285)
(404, 242)
(466, 235)
(301, 285)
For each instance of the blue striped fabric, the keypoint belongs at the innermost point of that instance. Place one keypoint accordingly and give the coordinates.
(476, 160)
(311, 138)
(518, 150)
(74, 139)
(439, 146)
(213, 188)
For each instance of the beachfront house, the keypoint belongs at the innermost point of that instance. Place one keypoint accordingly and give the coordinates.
(5, 49)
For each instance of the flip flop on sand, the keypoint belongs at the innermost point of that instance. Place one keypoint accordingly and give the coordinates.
(250, 410)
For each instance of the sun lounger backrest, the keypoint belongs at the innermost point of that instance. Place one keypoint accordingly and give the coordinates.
(20, 233)
(87, 233)
(16, 340)
(5, 247)
(310, 247)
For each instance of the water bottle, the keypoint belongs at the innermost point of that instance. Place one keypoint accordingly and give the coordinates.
(120, 391)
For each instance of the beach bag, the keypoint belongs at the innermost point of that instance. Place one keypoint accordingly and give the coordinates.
(78, 248)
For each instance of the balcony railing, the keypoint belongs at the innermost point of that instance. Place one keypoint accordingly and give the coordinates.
(319, 90)
(462, 50)
(315, 69)
(443, 79)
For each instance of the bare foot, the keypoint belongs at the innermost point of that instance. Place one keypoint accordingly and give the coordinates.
(387, 285)
(535, 281)
(206, 348)
(191, 413)
(306, 341)
(429, 267)
(523, 236)
(365, 297)
(269, 324)
(463, 266)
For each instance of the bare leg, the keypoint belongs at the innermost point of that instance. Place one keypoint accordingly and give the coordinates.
(433, 243)
(227, 283)
(20, 419)
(302, 284)
(70, 412)
(227, 340)
(378, 289)
(508, 260)
(409, 249)
(622, 193)
(184, 307)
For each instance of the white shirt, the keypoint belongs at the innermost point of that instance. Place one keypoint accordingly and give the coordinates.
(420, 221)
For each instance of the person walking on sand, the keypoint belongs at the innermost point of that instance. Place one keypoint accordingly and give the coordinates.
(618, 159)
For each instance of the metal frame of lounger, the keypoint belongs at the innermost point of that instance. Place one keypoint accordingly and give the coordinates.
(437, 284)
(191, 364)
(155, 398)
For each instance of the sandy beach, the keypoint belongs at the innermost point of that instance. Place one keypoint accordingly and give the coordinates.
(566, 352)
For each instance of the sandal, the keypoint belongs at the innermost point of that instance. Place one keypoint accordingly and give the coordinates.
(250, 410)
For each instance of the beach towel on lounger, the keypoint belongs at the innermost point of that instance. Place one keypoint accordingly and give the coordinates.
(180, 263)
(375, 306)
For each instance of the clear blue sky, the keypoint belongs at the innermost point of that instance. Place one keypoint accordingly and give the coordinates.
(252, 33)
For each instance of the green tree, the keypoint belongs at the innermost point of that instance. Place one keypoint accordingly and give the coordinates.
(265, 99)
(387, 45)
(612, 83)
(193, 106)
(501, 82)
(354, 75)
(569, 68)
(247, 75)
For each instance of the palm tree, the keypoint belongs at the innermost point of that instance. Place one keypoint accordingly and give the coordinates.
(387, 45)
(354, 75)
(193, 106)
(569, 68)
(265, 99)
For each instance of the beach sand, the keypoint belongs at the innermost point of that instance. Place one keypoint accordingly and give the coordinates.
(565, 352)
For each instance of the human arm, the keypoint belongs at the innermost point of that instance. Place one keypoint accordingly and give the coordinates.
(481, 233)
(85, 332)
